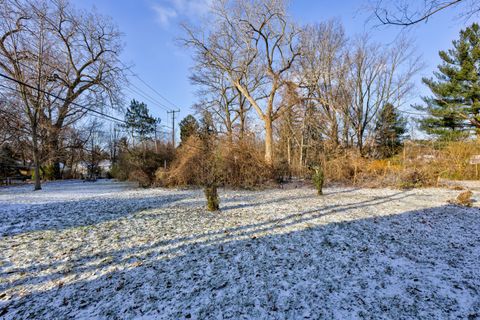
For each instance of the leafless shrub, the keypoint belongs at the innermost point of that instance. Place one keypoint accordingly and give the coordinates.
(239, 165)
(418, 165)
(141, 177)
(187, 167)
(243, 165)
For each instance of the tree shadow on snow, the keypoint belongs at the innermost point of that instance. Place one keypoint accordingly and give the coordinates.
(84, 263)
(72, 214)
(254, 201)
(417, 264)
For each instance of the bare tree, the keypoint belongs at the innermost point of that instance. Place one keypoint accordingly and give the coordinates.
(407, 13)
(22, 33)
(12, 122)
(378, 76)
(222, 99)
(56, 57)
(218, 96)
(87, 67)
(324, 72)
(252, 39)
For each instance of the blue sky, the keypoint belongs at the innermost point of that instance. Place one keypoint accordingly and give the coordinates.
(151, 28)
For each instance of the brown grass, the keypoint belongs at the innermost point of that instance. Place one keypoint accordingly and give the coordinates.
(241, 165)
(418, 165)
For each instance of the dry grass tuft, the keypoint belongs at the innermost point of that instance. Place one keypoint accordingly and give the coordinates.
(463, 199)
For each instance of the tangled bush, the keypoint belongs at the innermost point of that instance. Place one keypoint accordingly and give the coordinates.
(188, 167)
(281, 171)
(242, 165)
(413, 178)
(237, 165)
(463, 199)
(346, 168)
(141, 177)
(420, 164)
(141, 163)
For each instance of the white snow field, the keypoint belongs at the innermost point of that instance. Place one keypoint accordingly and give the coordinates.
(106, 250)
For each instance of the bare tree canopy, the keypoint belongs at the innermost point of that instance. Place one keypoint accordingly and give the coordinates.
(53, 57)
(251, 40)
(407, 13)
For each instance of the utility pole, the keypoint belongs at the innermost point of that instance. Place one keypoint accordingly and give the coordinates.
(173, 125)
(157, 122)
(113, 144)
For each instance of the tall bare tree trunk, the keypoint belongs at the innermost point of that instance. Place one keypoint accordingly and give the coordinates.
(334, 134)
(54, 154)
(289, 156)
(36, 159)
(242, 128)
(268, 139)
(242, 114)
(360, 141)
(302, 142)
(229, 126)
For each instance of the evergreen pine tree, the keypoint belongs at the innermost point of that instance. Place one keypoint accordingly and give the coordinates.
(389, 131)
(8, 164)
(139, 121)
(188, 127)
(454, 107)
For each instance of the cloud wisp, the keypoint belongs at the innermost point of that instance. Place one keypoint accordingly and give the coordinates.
(168, 10)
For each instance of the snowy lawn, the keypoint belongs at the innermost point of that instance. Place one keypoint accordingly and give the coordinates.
(106, 250)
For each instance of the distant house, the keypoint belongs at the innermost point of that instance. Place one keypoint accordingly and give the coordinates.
(14, 172)
(105, 167)
(102, 168)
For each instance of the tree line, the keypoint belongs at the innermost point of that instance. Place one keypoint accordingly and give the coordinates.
(310, 87)
(275, 98)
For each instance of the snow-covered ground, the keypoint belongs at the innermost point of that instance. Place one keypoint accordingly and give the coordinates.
(109, 251)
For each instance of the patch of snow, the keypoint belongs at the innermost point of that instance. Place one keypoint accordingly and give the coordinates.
(107, 250)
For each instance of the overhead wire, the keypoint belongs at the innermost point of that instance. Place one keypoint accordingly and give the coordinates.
(96, 113)
(141, 93)
(99, 113)
(135, 90)
(148, 85)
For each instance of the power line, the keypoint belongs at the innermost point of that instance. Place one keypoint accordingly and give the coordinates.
(158, 93)
(149, 86)
(411, 113)
(97, 113)
(112, 118)
(133, 89)
(151, 98)
(148, 98)
(139, 92)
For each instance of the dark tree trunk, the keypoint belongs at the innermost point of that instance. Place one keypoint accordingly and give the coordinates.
(36, 159)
